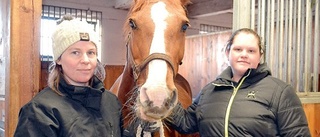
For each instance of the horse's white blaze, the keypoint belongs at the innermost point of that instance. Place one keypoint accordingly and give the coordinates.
(157, 68)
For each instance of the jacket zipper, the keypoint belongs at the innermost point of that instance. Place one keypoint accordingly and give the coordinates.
(234, 93)
(111, 127)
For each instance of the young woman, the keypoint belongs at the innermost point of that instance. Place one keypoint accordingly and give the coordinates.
(75, 103)
(245, 100)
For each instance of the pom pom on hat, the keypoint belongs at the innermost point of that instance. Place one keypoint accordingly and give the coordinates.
(70, 31)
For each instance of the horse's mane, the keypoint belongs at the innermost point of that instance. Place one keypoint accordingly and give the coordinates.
(137, 5)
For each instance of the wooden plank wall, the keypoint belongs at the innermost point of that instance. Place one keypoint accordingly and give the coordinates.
(204, 59)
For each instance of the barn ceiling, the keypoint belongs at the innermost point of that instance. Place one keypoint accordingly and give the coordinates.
(214, 12)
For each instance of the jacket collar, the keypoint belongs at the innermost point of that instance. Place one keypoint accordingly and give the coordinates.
(88, 96)
(254, 76)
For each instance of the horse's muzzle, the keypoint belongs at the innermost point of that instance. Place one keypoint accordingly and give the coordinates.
(148, 109)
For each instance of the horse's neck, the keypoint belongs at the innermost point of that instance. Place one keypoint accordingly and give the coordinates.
(125, 83)
(127, 77)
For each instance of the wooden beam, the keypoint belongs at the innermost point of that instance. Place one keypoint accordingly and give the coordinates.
(209, 7)
(312, 111)
(241, 14)
(24, 58)
(123, 4)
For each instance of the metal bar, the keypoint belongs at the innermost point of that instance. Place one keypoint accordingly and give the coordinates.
(280, 37)
(316, 47)
(294, 44)
(268, 35)
(302, 46)
(259, 18)
(308, 48)
(276, 52)
(290, 46)
(285, 41)
(298, 47)
(252, 18)
(272, 36)
(262, 31)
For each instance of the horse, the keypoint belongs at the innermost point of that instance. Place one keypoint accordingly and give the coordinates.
(150, 85)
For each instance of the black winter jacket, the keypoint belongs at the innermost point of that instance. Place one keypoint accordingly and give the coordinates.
(259, 106)
(79, 112)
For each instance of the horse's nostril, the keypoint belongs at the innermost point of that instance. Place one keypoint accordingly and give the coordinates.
(170, 102)
(174, 97)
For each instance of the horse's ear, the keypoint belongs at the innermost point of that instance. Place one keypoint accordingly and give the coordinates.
(185, 2)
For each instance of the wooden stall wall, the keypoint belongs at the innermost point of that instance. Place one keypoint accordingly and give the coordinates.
(204, 59)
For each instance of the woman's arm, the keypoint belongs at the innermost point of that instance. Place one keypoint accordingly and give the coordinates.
(291, 118)
(35, 122)
(184, 120)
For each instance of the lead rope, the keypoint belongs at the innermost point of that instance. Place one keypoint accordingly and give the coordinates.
(142, 133)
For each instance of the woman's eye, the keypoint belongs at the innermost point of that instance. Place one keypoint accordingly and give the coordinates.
(237, 49)
(92, 53)
(75, 52)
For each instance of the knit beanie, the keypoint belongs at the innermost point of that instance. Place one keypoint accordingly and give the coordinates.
(69, 31)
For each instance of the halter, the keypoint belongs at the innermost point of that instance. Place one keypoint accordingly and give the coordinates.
(138, 68)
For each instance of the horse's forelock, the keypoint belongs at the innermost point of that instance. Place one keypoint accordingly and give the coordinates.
(138, 4)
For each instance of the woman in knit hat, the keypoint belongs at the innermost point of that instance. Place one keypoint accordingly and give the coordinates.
(71, 105)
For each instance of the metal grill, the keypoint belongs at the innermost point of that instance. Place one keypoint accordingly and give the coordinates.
(205, 28)
(55, 12)
(290, 32)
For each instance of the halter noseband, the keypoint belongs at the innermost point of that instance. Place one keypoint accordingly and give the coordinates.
(137, 68)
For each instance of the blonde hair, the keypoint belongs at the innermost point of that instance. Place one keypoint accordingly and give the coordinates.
(54, 77)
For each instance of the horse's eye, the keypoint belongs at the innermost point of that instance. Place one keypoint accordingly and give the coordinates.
(185, 27)
(132, 24)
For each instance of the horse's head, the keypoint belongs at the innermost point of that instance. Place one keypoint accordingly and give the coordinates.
(156, 36)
